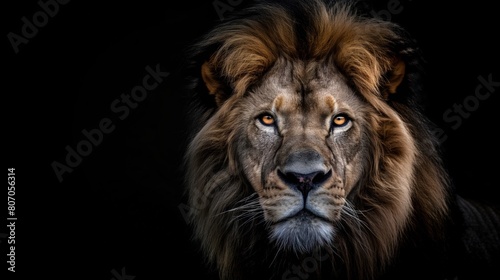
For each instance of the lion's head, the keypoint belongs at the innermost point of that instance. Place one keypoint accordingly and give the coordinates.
(307, 140)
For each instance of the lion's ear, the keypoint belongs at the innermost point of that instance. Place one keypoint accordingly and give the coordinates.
(208, 78)
(213, 85)
(395, 76)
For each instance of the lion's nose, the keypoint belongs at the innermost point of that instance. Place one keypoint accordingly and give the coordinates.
(304, 170)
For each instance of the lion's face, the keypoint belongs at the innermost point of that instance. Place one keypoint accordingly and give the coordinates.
(302, 151)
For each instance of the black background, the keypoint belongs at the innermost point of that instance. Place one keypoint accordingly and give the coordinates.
(117, 212)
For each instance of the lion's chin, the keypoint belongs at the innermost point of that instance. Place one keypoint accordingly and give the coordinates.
(302, 233)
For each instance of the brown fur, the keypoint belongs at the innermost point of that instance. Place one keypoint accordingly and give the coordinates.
(400, 178)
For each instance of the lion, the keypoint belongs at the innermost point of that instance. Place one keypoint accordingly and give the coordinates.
(309, 155)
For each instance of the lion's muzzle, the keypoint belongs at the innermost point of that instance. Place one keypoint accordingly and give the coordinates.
(303, 211)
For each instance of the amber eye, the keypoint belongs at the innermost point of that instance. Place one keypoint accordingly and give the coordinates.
(266, 119)
(340, 120)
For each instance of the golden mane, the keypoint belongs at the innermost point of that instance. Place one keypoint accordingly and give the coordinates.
(361, 47)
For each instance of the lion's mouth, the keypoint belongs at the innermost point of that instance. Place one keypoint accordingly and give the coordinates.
(303, 215)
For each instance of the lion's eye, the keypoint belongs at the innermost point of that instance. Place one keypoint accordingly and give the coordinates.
(266, 119)
(340, 120)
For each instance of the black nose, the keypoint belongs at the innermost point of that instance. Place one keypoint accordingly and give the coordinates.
(304, 171)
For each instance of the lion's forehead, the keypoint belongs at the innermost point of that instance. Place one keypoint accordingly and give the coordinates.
(299, 87)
